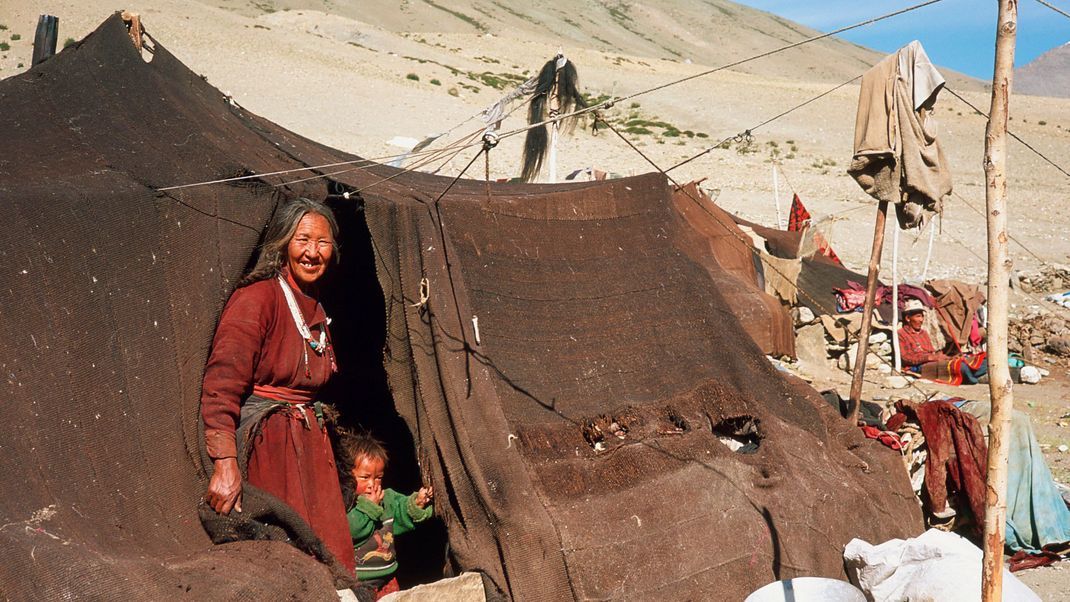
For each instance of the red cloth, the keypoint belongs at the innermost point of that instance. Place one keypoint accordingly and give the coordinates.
(295, 463)
(957, 455)
(798, 217)
(389, 588)
(886, 437)
(257, 345)
(1049, 554)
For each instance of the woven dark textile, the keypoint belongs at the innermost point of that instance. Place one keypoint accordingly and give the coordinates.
(712, 239)
(109, 305)
(574, 443)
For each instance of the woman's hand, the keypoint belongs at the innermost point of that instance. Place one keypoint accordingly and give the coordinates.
(424, 496)
(224, 490)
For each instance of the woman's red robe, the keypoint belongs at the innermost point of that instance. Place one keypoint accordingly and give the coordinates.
(257, 349)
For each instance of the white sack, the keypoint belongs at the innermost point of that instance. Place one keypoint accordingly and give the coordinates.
(936, 566)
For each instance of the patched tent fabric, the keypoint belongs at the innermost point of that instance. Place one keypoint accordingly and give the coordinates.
(571, 380)
(713, 239)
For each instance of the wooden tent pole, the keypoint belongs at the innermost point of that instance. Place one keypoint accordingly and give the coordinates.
(895, 298)
(44, 41)
(776, 199)
(859, 365)
(999, 265)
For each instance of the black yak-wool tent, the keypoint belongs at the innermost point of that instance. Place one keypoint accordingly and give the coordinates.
(594, 302)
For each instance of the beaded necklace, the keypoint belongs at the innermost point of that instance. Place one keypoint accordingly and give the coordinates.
(320, 346)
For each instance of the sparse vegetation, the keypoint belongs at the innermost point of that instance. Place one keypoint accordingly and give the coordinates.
(498, 81)
(517, 14)
(619, 12)
(69, 42)
(458, 14)
(1042, 123)
(435, 82)
(594, 100)
(413, 77)
(19, 66)
(823, 165)
(3, 27)
(259, 26)
(453, 92)
(15, 37)
(4, 46)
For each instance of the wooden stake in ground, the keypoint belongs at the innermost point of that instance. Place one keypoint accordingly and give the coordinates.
(999, 265)
(44, 42)
(859, 365)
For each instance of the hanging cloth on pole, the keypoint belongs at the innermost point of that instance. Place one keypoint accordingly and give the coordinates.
(897, 156)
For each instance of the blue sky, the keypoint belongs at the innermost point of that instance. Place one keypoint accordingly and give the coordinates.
(958, 34)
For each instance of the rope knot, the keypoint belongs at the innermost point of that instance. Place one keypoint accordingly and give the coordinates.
(490, 140)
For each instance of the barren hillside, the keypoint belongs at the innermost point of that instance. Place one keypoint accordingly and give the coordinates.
(358, 75)
(1046, 75)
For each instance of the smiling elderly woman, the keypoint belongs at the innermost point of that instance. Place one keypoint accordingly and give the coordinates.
(271, 354)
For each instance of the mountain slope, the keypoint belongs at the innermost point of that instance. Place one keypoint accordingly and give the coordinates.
(707, 32)
(1046, 75)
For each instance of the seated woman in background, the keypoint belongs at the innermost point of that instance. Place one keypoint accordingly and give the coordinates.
(271, 354)
(919, 356)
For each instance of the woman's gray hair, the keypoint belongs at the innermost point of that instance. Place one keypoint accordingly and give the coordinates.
(279, 232)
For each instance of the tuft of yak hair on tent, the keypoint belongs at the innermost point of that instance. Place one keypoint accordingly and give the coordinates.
(558, 81)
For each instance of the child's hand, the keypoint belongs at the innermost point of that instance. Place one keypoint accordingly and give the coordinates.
(424, 496)
(374, 493)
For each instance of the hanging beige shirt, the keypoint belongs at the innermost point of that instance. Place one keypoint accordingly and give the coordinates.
(897, 156)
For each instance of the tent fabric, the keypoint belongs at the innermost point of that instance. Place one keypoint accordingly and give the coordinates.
(574, 440)
(109, 300)
(715, 241)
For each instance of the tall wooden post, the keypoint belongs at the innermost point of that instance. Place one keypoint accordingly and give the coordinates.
(867, 310)
(44, 41)
(999, 265)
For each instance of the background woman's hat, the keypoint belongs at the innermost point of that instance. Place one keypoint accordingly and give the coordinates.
(912, 306)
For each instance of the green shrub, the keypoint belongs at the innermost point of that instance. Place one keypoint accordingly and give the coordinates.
(15, 37)
(1042, 123)
(3, 27)
(413, 77)
(435, 82)
(4, 46)
(453, 92)
(69, 42)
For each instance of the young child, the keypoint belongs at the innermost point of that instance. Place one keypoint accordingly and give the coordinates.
(375, 514)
